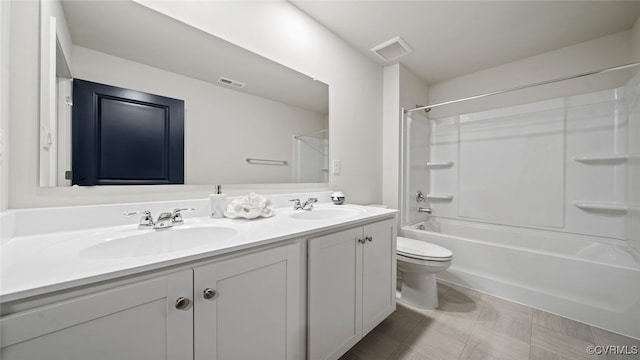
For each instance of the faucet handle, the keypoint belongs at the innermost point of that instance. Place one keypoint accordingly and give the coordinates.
(296, 204)
(308, 205)
(176, 217)
(146, 220)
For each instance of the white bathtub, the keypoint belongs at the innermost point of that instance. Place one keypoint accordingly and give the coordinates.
(592, 280)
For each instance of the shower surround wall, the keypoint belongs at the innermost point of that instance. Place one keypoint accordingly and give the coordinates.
(632, 234)
(417, 133)
(522, 190)
(310, 159)
(530, 165)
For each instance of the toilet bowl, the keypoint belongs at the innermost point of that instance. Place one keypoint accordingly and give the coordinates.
(419, 262)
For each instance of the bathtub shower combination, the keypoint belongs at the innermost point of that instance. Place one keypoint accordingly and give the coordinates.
(539, 202)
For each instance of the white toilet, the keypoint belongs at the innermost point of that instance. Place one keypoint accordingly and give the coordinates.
(419, 261)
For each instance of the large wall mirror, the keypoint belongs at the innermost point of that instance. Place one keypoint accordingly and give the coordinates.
(247, 120)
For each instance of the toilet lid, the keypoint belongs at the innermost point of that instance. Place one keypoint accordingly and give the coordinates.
(422, 250)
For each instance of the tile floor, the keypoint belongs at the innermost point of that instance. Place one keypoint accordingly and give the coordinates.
(470, 325)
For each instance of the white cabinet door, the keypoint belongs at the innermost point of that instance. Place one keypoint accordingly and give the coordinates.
(138, 321)
(351, 288)
(378, 274)
(252, 310)
(334, 295)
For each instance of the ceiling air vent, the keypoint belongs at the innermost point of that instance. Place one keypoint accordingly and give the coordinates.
(392, 49)
(229, 82)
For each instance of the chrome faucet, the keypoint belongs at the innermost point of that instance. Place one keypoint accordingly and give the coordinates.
(176, 216)
(165, 220)
(296, 204)
(308, 205)
(146, 220)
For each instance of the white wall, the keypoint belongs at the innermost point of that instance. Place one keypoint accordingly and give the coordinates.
(222, 126)
(4, 104)
(276, 30)
(591, 55)
(391, 136)
(413, 91)
(54, 8)
(401, 89)
(23, 101)
(53, 31)
(635, 40)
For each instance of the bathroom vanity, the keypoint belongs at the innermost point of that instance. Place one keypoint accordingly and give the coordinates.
(348, 286)
(302, 284)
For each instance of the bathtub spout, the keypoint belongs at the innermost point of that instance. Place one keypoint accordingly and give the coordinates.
(424, 210)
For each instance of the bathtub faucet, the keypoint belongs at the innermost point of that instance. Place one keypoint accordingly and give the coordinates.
(424, 210)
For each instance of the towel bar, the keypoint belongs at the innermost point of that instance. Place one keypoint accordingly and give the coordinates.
(266, 162)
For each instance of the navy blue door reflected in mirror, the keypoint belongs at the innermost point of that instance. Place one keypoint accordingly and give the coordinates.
(125, 137)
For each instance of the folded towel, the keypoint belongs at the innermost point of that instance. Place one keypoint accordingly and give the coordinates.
(250, 207)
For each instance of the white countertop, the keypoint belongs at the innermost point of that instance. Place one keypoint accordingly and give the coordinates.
(35, 264)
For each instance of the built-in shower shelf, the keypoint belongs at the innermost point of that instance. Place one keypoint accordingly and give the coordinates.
(601, 158)
(439, 164)
(601, 206)
(440, 197)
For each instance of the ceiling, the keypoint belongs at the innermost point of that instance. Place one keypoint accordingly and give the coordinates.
(454, 38)
(148, 37)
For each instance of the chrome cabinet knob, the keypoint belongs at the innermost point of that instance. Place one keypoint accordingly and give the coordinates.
(182, 303)
(209, 293)
(362, 241)
(368, 238)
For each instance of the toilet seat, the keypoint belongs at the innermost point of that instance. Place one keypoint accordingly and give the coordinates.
(422, 250)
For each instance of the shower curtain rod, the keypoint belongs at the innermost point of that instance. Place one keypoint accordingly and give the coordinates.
(429, 107)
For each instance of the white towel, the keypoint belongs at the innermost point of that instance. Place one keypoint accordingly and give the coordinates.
(250, 207)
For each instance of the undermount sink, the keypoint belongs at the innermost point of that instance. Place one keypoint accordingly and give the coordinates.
(327, 213)
(156, 242)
